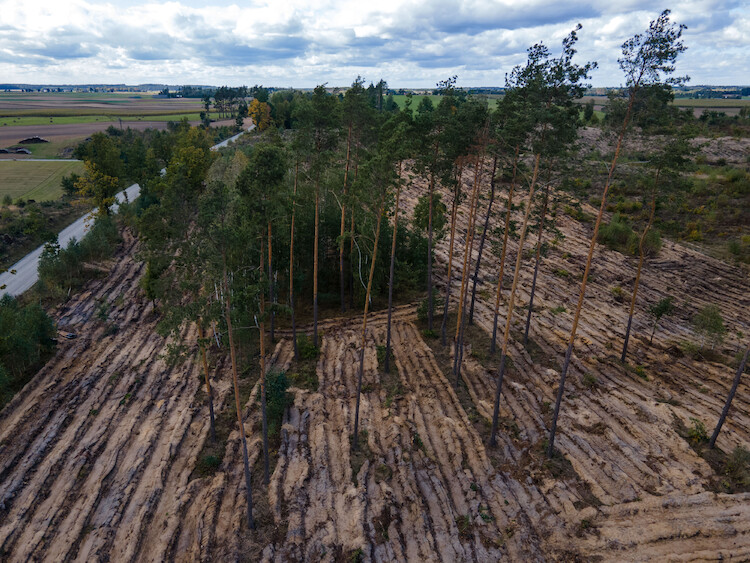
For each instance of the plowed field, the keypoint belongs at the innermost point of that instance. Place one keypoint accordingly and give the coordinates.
(98, 453)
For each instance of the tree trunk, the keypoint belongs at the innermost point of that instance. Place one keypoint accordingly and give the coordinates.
(204, 360)
(291, 265)
(536, 265)
(592, 246)
(641, 255)
(343, 216)
(315, 265)
(238, 407)
(387, 366)
(263, 367)
(351, 230)
(271, 291)
(355, 444)
(351, 261)
(498, 293)
(481, 241)
(511, 302)
(454, 207)
(429, 255)
(465, 269)
(732, 391)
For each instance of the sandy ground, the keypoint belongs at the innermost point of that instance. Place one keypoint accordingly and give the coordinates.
(96, 453)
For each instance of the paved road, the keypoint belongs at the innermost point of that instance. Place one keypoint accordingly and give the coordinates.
(24, 273)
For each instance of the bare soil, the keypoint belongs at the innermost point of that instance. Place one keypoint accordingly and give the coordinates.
(98, 453)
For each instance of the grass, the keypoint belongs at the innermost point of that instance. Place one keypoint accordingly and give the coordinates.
(39, 181)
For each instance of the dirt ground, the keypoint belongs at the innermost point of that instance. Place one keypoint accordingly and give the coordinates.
(97, 453)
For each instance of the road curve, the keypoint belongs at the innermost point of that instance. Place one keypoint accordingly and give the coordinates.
(25, 273)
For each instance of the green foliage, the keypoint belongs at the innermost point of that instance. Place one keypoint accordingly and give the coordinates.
(709, 324)
(26, 340)
(422, 215)
(207, 465)
(738, 466)
(438, 303)
(307, 350)
(618, 235)
(697, 434)
(277, 397)
(589, 381)
(60, 268)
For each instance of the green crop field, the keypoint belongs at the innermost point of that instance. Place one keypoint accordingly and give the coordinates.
(39, 181)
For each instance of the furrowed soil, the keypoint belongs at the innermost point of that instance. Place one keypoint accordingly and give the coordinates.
(103, 454)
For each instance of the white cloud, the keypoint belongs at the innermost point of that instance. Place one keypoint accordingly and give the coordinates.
(302, 43)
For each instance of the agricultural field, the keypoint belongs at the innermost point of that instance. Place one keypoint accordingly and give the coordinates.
(39, 181)
(65, 119)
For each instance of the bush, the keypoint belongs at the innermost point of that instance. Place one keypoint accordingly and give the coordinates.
(437, 303)
(697, 432)
(307, 350)
(616, 234)
(277, 397)
(709, 324)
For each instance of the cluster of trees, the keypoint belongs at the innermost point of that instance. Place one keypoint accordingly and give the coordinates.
(302, 219)
(26, 340)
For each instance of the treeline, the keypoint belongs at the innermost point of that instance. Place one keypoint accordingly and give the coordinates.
(26, 341)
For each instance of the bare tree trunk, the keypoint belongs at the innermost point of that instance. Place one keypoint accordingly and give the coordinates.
(291, 265)
(343, 222)
(536, 265)
(315, 265)
(355, 444)
(387, 366)
(262, 336)
(481, 241)
(351, 231)
(204, 360)
(238, 407)
(511, 302)
(271, 291)
(582, 294)
(504, 251)
(454, 208)
(351, 261)
(429, 255)
(641, 255)
(732, 391)
(465, 269)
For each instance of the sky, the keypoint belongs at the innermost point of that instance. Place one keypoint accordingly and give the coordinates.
(302, 43)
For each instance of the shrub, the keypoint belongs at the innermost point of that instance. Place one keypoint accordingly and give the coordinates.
(616, 234)
(697, 432)
(307, 350)
(709, 324)
(277, 397)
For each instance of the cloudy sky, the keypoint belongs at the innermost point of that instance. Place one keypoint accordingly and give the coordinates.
(301, 43)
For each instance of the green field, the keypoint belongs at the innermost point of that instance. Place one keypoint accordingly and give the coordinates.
(39, 181)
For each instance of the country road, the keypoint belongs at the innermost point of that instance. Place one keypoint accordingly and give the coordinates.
(24, 273)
